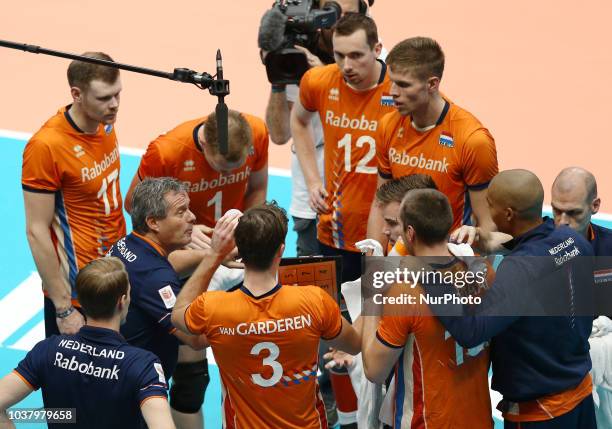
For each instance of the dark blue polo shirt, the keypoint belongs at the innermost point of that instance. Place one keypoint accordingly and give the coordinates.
(155, 286)
(532, 356)
(97, 372)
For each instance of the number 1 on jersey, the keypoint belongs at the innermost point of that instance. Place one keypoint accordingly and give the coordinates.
(362, 165)
(216, 200)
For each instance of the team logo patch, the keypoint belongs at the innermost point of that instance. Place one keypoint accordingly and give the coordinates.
(602, 276)
(386, 100)
(251, 150)
(447, 140)
(168, 296)
(160, 372)
(78, 151)
(334, 94)
(108, 129)
(189, 165)
(400, 133)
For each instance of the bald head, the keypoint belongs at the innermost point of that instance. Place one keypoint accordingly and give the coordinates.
(572, 179)
(574, 198)
(515, 196)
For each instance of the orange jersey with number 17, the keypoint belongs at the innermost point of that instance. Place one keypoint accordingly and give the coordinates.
(82, 170)
(350, 121)
(267, 350)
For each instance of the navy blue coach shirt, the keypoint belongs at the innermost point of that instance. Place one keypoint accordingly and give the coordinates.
(96, 372)
(154, 286)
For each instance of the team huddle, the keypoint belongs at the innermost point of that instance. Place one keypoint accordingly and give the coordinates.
(384, 164)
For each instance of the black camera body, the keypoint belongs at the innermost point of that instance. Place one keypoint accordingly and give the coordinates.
(287, 65)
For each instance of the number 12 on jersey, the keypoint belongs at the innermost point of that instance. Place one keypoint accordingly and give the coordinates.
(362, 166)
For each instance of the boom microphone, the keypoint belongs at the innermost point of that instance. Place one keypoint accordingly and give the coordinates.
(221, 111)
(271, 30)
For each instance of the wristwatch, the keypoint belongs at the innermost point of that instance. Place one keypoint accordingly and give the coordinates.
(65, 313)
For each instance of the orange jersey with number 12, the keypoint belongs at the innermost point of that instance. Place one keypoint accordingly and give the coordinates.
(350, 121)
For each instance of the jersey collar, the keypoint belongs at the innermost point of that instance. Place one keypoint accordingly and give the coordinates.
(151, 243)
(96, 334)
(270, 292)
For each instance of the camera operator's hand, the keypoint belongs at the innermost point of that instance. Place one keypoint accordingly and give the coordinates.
(318, 194)
(313, 60)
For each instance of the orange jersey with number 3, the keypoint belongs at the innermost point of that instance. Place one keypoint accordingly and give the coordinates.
(82, 170)
(267, 351)
(350, 121)
(176, 154)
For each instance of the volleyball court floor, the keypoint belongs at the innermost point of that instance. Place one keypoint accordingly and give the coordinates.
(21, 305)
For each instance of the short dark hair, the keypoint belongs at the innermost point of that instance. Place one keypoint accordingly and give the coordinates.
(421, 56)
(80, 73)
(148, 200)
(239, 135)
(429, 212)
(353, 21)
(395, 189)
(260, 232)
(99, 286)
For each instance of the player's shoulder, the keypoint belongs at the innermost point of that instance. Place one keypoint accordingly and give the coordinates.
(463, 120)
(52, 133)
(258, 125)
(323, 75)
(182, 134)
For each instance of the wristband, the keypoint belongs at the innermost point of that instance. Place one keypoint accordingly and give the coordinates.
(276, 88)
(65, 313)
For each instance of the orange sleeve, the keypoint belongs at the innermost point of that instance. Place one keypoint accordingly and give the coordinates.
(195, 316)
(308, 91)
(261, 140)
(330, 316)
(479, 159)
(398, 320)
(152, 163)
(382, 148)
(39, 170)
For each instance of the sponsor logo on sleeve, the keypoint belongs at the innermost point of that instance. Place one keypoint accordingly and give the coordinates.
(168, 296)
(334, 94)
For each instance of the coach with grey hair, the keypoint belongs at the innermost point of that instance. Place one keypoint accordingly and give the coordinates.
(161, 223)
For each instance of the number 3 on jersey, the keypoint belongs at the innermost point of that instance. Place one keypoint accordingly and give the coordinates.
(362, 166)
(277, 368)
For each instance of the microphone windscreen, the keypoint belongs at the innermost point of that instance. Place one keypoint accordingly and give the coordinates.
(271, 30)
(222, 141)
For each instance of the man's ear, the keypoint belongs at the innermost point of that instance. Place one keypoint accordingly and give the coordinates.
(595, 205)
(433, 84)
(76, 93)
(152, 223)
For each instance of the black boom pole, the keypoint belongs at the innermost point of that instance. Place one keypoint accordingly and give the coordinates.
(216, 85)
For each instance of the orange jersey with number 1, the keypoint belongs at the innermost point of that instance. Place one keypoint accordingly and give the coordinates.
(82, 170)
(350, 121)
(267, 350)
(176, 154)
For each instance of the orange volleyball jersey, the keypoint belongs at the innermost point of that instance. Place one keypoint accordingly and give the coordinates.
(177, 154)
(459, 154)
(438, 384)
(82, 170)
(266, 349)
(350, 121)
